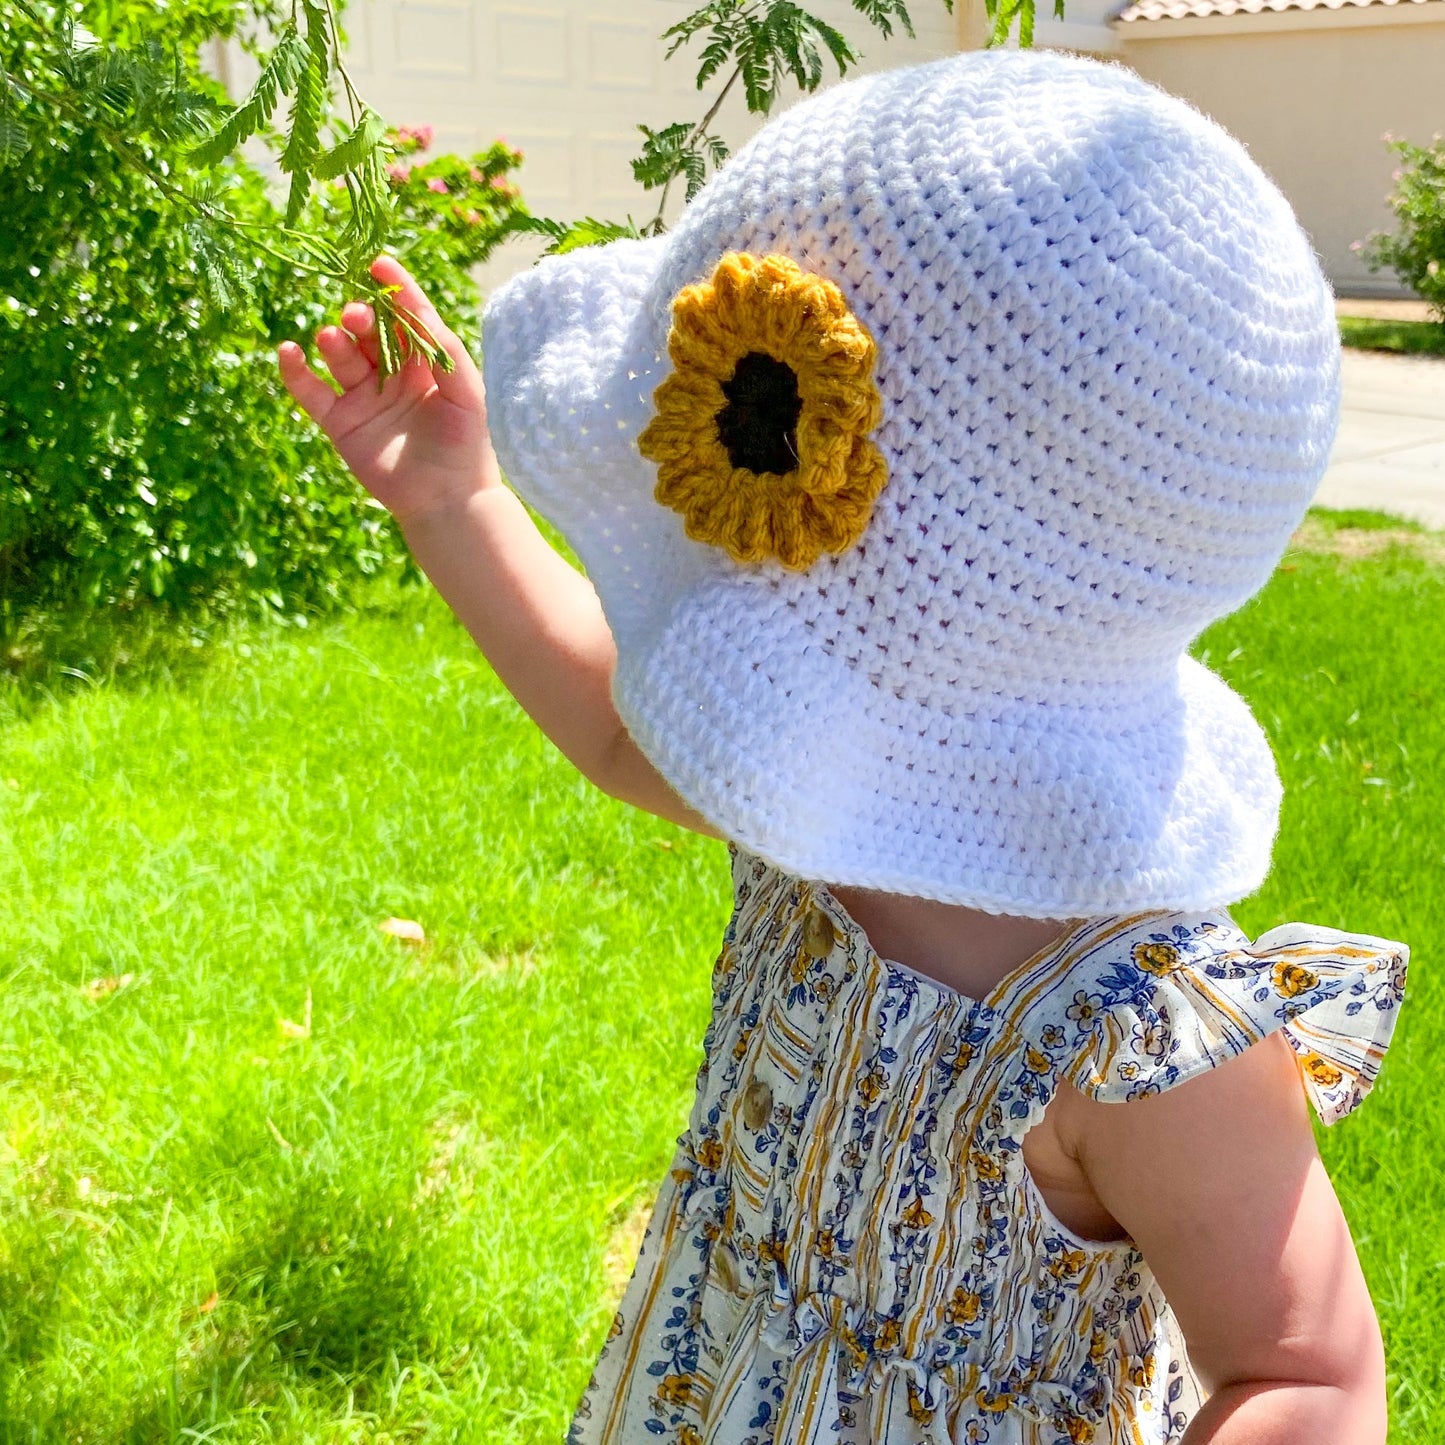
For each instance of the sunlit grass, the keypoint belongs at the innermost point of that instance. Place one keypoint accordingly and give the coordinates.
(269, 1174)
(1417, 338)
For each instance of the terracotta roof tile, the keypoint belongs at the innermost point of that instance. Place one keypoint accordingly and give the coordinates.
(1180, 9)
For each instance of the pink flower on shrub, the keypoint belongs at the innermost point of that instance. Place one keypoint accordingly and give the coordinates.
(398, 173)
(420, 136)
(476, 175)
(438, 185)
(473, 218)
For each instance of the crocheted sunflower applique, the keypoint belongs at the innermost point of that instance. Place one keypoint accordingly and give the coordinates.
(761, 431)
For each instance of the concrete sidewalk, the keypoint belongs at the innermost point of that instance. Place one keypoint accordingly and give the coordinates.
(1390, 451)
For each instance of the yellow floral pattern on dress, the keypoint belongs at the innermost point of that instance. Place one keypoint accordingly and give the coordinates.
(1156, 958)
(1293, 979)
(865, 1261)
(1324, 1074)
(768, 307)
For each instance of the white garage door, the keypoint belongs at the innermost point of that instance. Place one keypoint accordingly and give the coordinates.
(568, 81)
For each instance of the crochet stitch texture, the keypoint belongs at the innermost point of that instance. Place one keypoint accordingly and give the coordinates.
(1109, 371)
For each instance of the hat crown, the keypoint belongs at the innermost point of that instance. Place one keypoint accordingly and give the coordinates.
(1108, 368)
(1107, 354)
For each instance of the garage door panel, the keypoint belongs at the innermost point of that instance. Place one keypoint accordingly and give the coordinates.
(433, 38)
(620, 54)
(457, 138)
(608, 167)
(547, 175)
(357, 22)
(531, 45)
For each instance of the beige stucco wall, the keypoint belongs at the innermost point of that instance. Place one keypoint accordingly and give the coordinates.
(1311, 102)
(1310, 92)
(568, 81)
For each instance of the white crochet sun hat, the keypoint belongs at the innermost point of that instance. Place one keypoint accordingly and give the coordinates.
(1107, 385)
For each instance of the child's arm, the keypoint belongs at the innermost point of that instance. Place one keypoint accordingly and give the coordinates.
(420, 445)
(1219, 1183)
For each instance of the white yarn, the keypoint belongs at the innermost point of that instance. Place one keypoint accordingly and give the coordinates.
(1109, 366)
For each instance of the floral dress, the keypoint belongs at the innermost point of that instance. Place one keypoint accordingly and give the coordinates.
(847, 1247)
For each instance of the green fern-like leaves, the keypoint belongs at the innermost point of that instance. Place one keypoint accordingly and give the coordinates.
(762, 44)
(14, 139)
(677, 150)
(14, 133)
(351, 153)
(220, 268)
(1003, 13)
(307, 109)
(278, 77)
(573, 235)
(883, 13)
(400, 336)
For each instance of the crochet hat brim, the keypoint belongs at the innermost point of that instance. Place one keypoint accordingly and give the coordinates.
(1165, 798)
(1042, 811)
(573, 350)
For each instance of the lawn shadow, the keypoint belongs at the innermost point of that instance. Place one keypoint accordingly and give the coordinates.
(32, 1306)
(326, 1300)
(48, 656)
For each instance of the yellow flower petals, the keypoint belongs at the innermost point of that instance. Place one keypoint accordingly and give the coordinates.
(768, 306)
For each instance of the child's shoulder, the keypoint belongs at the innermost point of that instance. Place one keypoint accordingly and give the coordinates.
(1126, 1006)
(1138, 1005)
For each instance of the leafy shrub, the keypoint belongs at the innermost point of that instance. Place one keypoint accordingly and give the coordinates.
(147, 455)
(1416, 250)
(147, 452)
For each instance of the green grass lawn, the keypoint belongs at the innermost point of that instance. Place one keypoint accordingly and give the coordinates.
(1420, 338)
(269, 1174)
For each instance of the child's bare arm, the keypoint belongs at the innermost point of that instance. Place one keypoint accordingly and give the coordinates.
(421, 446)
(1220, 1184)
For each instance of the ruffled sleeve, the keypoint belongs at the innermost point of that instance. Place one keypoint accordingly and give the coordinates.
(1183, 995)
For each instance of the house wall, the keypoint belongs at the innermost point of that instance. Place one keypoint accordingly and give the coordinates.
(1311, 100)
(568, 81)
(1309, 92)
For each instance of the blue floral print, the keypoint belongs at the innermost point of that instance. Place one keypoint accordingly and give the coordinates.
(847, 1247)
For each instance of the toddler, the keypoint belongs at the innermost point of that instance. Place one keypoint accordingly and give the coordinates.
(904, 471)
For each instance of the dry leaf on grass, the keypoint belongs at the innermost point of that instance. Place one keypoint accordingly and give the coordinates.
(99, 988)
(290, 1030)
(406, 929)
(210, 1302)
(279, 1137)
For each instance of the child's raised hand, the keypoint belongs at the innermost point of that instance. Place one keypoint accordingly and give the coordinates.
(420, 441)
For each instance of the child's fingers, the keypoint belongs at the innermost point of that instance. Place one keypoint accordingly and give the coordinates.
(360, 320)
(343, 357)
(390, 272)
(458, 384)
(312, 394)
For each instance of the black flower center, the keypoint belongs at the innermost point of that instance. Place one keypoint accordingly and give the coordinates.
(759, 425)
